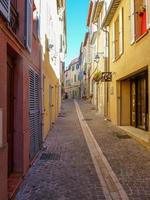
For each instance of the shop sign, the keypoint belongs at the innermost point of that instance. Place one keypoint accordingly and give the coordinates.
(106, 77)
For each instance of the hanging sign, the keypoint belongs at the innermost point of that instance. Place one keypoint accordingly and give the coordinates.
(106, 77)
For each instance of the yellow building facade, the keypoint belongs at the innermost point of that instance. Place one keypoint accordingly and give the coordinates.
(97, 54)
(129, 62)
(51, 96)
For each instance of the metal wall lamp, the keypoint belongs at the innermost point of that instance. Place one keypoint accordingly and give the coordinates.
(97, 57)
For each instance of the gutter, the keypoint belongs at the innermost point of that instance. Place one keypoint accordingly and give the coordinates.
(114, 4)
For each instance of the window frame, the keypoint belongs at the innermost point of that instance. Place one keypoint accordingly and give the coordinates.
(120, 35)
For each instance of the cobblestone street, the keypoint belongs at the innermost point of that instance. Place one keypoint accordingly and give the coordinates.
(64, 169)
(73, 177)
(129, 160)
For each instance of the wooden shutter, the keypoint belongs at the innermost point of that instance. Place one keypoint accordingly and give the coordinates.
(148, 13)
(34, 114)
(132, 18)
(37, 113)
(113, 42)
(121, 31)
(31, 114)
(28, 25)
(5, 8)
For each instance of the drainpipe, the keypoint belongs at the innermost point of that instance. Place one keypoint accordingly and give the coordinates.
(41, 84)
(107, 69)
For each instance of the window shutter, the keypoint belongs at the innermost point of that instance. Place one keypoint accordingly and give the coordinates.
(5, 8)
(113, 42)
(28, 25)
(121, 31)
(61, 43)
(34, 113)
(148, 13)
(132, 18)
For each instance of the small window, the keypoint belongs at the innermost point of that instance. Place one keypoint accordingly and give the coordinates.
(36, 26)
(77, 66)
(117, 38)
(140, 18)
(28, 25)
(75, 78)
(5, 8)
(73, 68)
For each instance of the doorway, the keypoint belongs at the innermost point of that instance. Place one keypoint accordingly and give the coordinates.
(10, 115)
(139, 101)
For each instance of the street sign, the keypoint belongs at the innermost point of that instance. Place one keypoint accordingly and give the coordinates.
(106, 77)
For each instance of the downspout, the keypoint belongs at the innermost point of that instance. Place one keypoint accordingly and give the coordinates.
(41, 75)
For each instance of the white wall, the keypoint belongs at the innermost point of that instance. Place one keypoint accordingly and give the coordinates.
(51, 26)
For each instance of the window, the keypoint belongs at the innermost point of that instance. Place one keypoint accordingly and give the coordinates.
(36, 25)
(61, 42)
(68, 82)
(73, 68)
(5, 8)
(118, 36)
(75, 78)
(140, 18)
(77, 66)
(148, 13)
(28, 25)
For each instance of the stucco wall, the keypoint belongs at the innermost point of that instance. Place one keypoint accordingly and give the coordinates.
(135, 58)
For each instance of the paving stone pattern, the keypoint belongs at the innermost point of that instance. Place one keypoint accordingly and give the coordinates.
(129, 160)
(72, 176)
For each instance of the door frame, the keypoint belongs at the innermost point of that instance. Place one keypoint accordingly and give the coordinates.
(10, 122)
(135, 79)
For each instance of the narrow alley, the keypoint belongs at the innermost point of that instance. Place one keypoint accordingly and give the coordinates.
(74, 100)
(67, 172)
(64, 169)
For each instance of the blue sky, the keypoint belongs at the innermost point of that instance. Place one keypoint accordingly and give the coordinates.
(77, 11)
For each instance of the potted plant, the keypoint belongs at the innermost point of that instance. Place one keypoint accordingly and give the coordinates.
(142, 10)
(97, 76)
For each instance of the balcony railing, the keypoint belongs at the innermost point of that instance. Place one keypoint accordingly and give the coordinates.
(14, 22)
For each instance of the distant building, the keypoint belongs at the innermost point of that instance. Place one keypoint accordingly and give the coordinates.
(72, 79)
(53, 40)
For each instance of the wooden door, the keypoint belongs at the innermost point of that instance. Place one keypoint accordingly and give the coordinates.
(133, 103)
(142, 107)
(139, 102)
